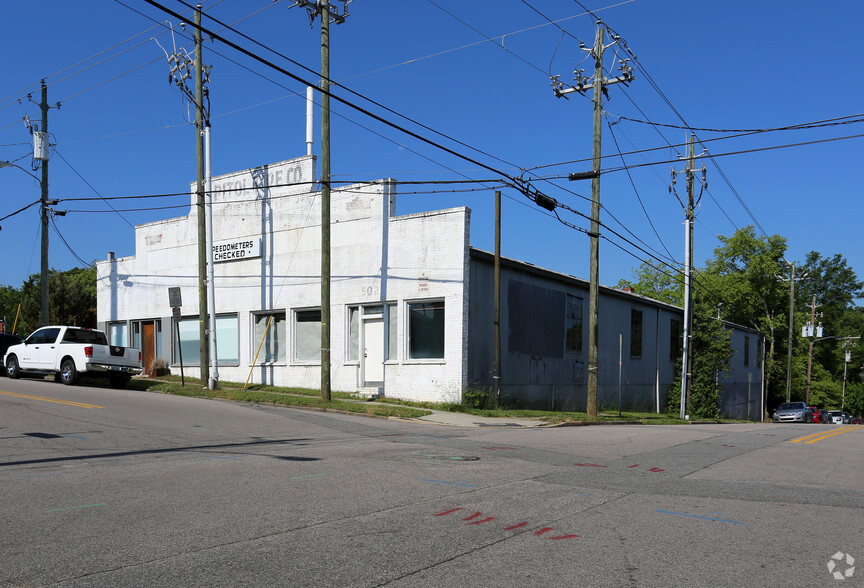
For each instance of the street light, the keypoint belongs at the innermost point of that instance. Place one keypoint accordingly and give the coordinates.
(10, 164)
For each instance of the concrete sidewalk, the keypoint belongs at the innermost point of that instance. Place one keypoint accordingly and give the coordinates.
(461, 419)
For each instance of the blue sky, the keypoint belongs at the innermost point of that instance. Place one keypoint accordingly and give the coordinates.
(479, 74)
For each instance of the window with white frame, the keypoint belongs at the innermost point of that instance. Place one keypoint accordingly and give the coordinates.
(307, 335)
(391, 317)
(353, 333)
(118, 334)
(187, 346)
(227, 340)
(426, 330)
(269, 340)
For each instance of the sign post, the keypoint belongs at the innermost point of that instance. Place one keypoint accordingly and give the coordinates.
(175, 300)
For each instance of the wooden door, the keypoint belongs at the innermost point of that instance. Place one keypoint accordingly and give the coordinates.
(148, 344)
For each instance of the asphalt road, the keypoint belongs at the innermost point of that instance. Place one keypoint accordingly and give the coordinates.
(122, 488)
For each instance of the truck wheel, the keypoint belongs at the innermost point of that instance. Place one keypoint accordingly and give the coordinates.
(68, 373)
(118, 381)
(12, 369)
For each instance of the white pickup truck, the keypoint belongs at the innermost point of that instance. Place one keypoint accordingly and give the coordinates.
(68, 352)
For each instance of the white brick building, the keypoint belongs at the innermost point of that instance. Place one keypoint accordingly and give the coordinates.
(398, 287)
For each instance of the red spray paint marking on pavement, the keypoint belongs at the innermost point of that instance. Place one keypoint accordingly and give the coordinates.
(563, 537)
(590, 465)
(635, 465)
(474, 516)
(486, 520)
(446, 512)
(516, 526)
(544, 530)
(656, 470)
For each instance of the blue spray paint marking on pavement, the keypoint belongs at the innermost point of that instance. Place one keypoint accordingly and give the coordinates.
(451, 483)
(74, 437)
(681, 514)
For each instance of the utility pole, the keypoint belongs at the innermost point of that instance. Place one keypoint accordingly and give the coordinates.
(325, 199)
(323, 8)
(43, 105)
(41, 152)
(183, 67)
(847, 357)
(203, 314)
(496, 305)
(690, 215)
(792, 279)
(811, 332)
(598, 86)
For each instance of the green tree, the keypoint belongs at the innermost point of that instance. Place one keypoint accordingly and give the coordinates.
(658, 282)
(71, 299)
(835, 286)
(743, 275)
(9, 299)
(711, 354)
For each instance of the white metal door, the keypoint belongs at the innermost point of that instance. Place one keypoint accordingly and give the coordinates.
(373, 355)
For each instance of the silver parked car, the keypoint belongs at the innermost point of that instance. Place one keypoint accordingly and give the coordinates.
(793, 412)
(836, 417)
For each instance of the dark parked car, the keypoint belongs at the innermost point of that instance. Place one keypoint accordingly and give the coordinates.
(7, 340)
(793, 412)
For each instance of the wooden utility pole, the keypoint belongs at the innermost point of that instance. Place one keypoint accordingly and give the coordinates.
(325, 199)
(594, 235)
(811, 332)
(203, 338)
(496, 374)
(597, 85)
(322, 8)
(791, 331)
(43, 105)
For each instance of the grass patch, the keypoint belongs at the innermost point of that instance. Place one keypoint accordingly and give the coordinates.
(296, 397)
(345, 402)
(552, 417)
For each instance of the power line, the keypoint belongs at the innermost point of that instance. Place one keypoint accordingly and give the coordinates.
(66, 243)
(636, 191)
(92, 188)
(829, 122)
(338, 98)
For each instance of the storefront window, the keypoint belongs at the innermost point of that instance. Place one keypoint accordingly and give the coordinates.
(271, 340)
(118, 334)
(426, 330)
(227, 341)
(307, 335)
